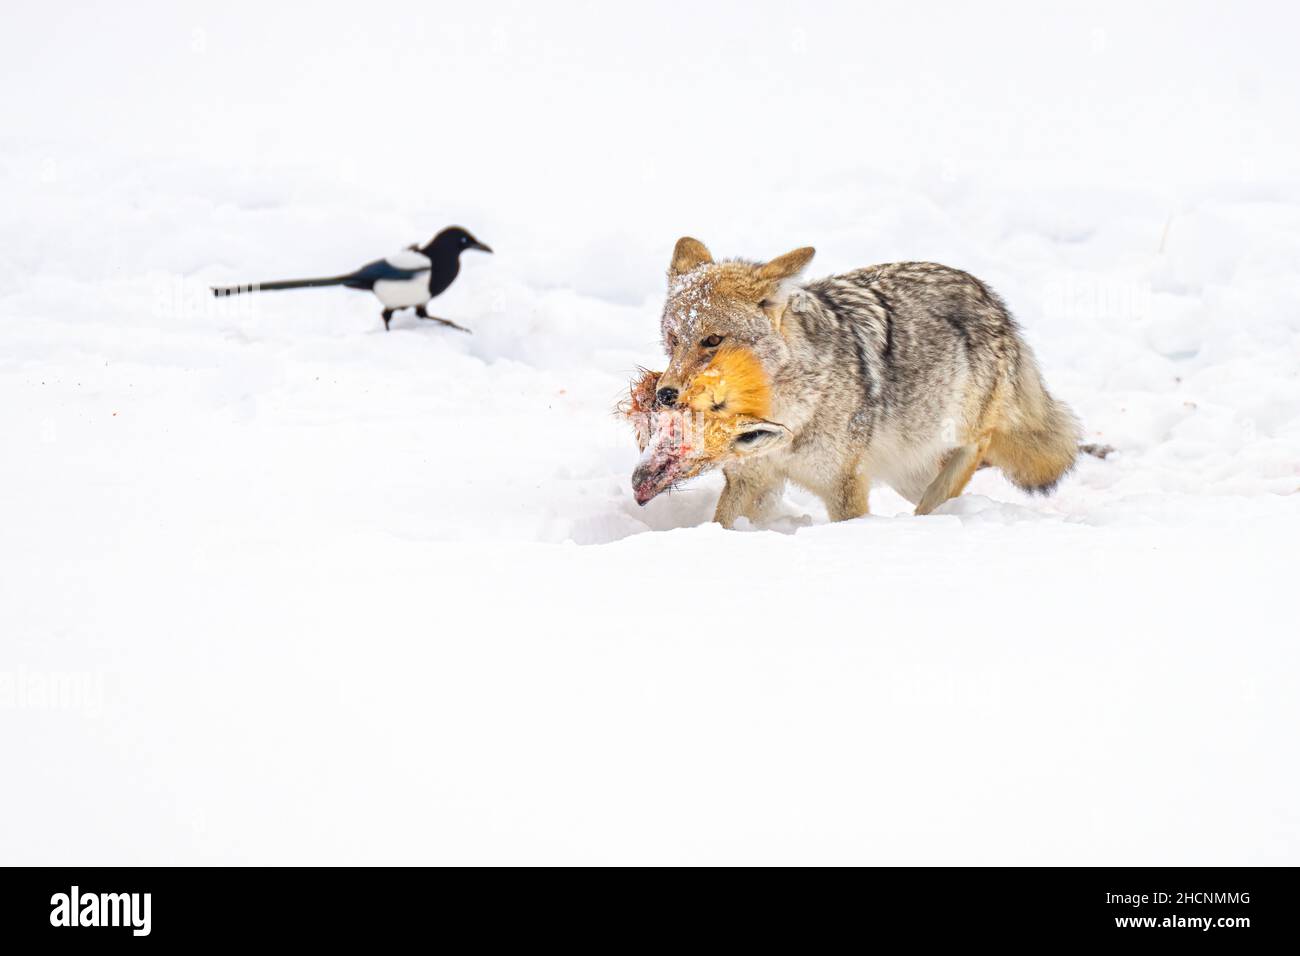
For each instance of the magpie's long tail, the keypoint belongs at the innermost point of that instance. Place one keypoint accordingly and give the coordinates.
(224, 290)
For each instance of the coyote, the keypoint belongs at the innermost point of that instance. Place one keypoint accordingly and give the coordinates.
(912, 373)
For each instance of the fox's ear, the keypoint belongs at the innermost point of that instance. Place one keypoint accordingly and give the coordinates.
(790, 264)
(687, 255)
(758, 437)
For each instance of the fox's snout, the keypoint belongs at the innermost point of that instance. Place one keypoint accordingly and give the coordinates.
(668, 456)
(650, 478)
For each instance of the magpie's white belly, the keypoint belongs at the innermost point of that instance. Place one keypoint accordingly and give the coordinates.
(402, 293)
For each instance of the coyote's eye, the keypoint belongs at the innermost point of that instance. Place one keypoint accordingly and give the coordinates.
(712, 342)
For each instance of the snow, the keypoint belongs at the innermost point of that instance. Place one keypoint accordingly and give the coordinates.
(279, 587)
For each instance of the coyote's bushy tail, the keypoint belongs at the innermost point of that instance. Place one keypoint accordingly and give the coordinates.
(1038, 439)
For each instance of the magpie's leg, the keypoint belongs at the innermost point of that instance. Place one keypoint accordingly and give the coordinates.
(388, 317)
(420, 311)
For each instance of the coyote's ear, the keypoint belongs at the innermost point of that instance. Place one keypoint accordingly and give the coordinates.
(759, 436)
(777, 271)
(687, 254)
(790, 264)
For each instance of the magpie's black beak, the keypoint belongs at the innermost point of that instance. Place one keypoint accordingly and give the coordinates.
(475, 244)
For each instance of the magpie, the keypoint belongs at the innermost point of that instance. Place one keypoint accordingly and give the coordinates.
(408, 278)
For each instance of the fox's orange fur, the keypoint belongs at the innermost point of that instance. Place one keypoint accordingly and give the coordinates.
(730, 391)
(733, 384)
(720, 416)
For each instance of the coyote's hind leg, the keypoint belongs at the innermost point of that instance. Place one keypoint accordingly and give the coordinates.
(954, 475)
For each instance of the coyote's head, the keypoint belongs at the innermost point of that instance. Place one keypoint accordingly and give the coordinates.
(720, 416)
(715, 304)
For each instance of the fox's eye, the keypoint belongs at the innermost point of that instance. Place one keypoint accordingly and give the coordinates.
(748, 438)
(712, 342)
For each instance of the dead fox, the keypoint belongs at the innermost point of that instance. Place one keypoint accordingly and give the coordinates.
(912, 373)
(721, 417)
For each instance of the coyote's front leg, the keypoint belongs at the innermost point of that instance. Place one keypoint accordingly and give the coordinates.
(849, 498)
(749, 493)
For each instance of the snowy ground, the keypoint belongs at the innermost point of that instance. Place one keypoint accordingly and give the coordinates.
(276, 586)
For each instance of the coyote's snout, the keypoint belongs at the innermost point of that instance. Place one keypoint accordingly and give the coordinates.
(720, 416)
(912, 373)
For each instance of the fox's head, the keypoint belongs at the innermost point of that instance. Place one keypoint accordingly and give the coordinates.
(715, 304)
(720, 416)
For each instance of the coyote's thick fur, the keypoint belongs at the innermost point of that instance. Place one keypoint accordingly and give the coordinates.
(912, 373)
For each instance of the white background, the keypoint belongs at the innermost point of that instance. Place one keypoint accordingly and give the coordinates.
(276, 586)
